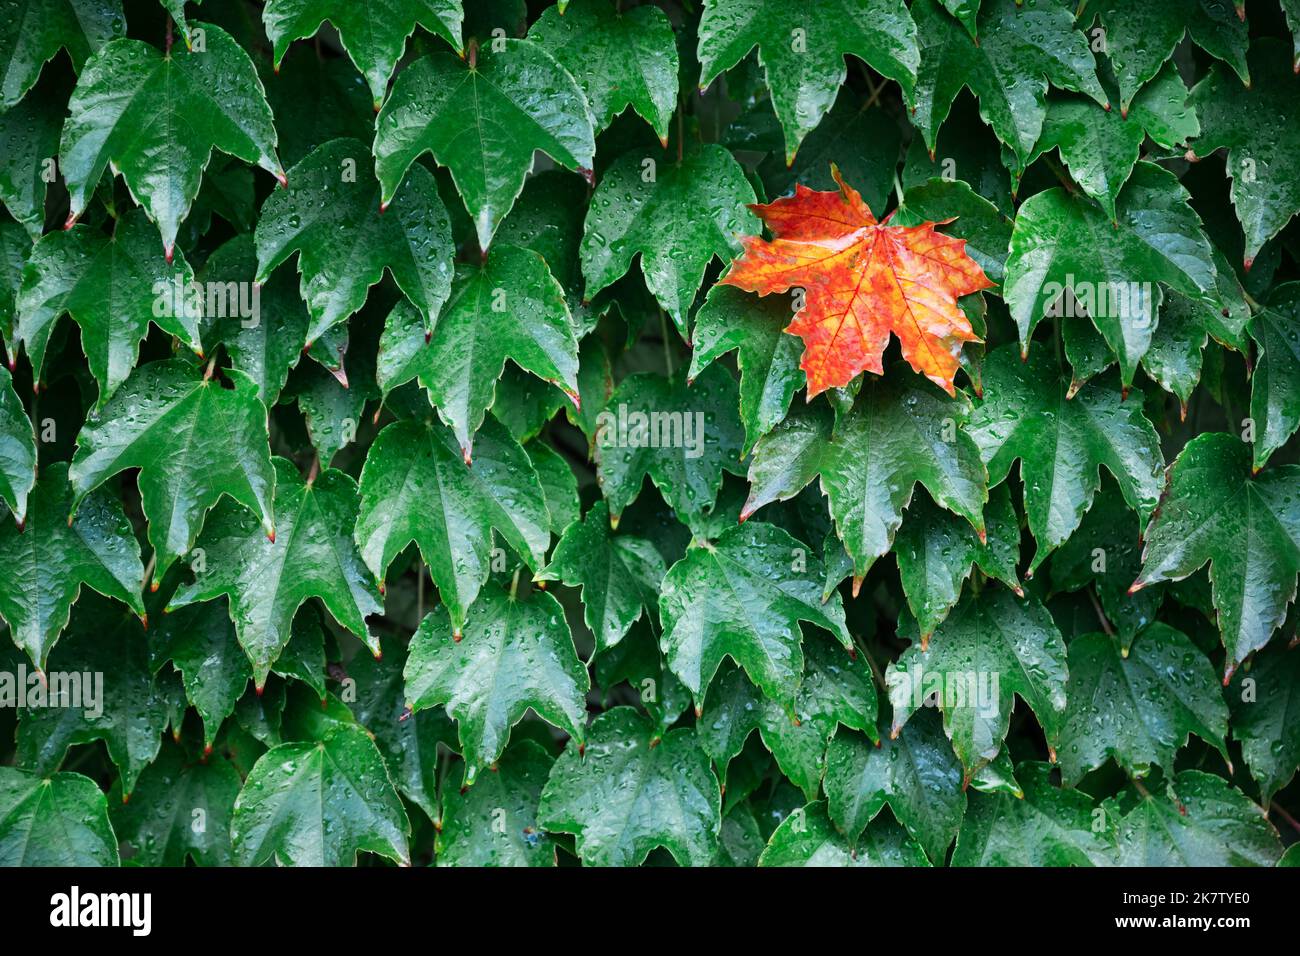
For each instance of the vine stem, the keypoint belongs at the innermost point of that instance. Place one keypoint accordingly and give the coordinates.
(668, 349)
(1286, 816)
(1101, 616)
(514, 582)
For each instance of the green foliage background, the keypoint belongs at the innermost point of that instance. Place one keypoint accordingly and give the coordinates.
(379, 578)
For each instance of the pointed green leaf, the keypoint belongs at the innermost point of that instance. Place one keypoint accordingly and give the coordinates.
(1062, 443)
(676, 216)
(1141, 37)
(263, 327)
(1275, 384)
(807, 838)
(631, 790)
(619, 58)
(914, 772)
(48, 560)
(768, 358)
(620, 574)
(1266, 717)
(508, 307)
(193, 440)
(1139, 707)
(17, 450)
(61, 820)
(181, 810)
(743, 597)
(313, 555)
(516, 653)
(1021, 49)
(494, 822)
(1069, 259)
(332, 217)
(517, 101)
(1202, 821)
(901, 430)
(156, 120)
(936, 552)
(319, 803)
(1247, 528)
(1048, 826)
(682, 436)
(123, 706)
(373, 34)
(416, 487)
(989, 649)
(33, 31)
(837, 689)
(113, 287)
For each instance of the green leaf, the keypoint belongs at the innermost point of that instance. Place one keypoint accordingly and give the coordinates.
(1048, 826)
(193, 440)
(1140, 38)
(802, 49)
(1202, 821)
(373, 34)
(409, 742)
(263, 326)
(1061, 453)
(1247, 528)
(1265, 705)
(156, 120)
(515, 653)
(631, 790)
(124, 706)
(1138, 707)
(676, 215)
(901, 430)
(620, 574)
(33, 31)
(768, 359)
(1258, 127)
(1275, 384)
(1106, 553)
(181, 810)
(17, 450)
(48, 560)
(319, 803)
(494, 822)
(806, 837)
(1020, 50)
(313, 555)
(29, 145)
(914, 772)
(992, 647)
(60, 820)
(937, 551)
(836, 690)
(559, 485)
(416, 487)
(332, 217)
(200, 642)
(518, 100)
(619, 58)
(113, 287)
(743, 597)
(1098, 146)
(1069, 259)
(508, 307)
(682, 436)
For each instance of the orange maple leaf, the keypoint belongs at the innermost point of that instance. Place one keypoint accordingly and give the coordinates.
(862, 279)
